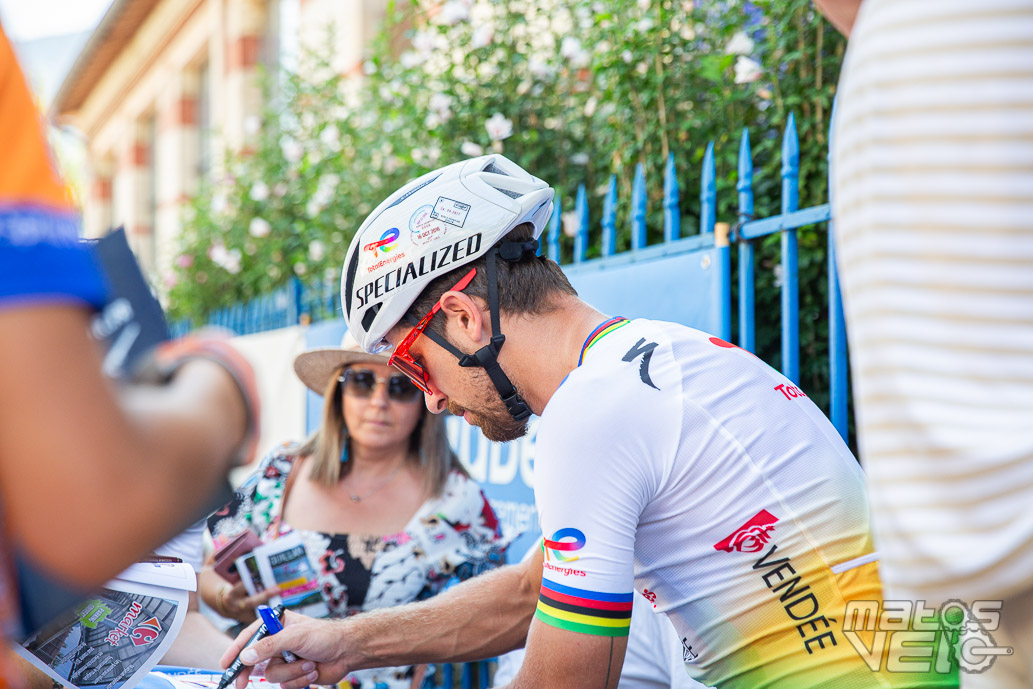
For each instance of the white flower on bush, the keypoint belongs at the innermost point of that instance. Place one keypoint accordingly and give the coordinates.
(313, 207)
(441, 105)
(252, 125)
(487, 71)
(747, 70)
(227, 259)
(570, 224)
(627, 56)
(280, 189)
(369, 68)
(291, 149)
(316, 251)
(434, 153)
(590, 105)
(453, 12)
(432, 121)
(219, 203)
(300, 268)
(644, 24)
(740, 44)
(499, 127)
(259, 227)
(579, 159)
(259, 191)
(644, 5)
(471, 149)
(570, 46)
(272, 271)
(412, 58)
(539, 68)
(482, 36)
(330, 136)
(423, 42)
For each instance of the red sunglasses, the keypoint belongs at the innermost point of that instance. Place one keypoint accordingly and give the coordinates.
(403, 361)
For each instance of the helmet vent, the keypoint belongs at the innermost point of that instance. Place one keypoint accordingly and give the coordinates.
(494, 169)
(509, 192)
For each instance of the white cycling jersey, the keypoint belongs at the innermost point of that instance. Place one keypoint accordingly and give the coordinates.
(678, 464)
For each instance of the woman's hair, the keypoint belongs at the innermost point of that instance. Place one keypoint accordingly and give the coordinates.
(428, 444)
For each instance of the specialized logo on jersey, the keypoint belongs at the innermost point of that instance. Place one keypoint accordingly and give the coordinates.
(645, 350)
(751, 536)
(564, 541)
(386, 242)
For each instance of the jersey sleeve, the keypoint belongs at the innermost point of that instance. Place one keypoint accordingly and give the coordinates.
(41, 258)
(591, 486)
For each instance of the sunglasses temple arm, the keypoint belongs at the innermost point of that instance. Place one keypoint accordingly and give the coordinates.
(438, 339)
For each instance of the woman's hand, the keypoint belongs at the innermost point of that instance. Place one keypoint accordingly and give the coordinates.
(234, 602)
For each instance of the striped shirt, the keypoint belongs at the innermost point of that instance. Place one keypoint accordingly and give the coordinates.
(933, 199)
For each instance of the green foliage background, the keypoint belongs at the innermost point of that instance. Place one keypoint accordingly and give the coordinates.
(590, 89)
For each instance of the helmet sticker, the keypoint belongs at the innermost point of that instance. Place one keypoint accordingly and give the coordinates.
(423, 228)
(451, 211)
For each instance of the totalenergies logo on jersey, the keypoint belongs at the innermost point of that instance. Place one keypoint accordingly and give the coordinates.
(751, 536)
(386, 243)
(562, 542)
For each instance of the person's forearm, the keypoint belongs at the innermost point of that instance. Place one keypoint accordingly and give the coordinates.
(68, 442)
(480, 618)
(840, 13)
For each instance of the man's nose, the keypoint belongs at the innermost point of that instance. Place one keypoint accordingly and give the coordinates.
(436, 400)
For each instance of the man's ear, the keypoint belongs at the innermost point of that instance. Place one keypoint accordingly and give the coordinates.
(466, 318)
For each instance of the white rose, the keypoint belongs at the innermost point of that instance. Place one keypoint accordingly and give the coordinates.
(292, 150)
(499, 127)
(482, 36)
(747, 70)
(453, 12)
(570, 46)
(259, 228)
(741, 44)
(471, 149)
(259, 191)
(316, 251)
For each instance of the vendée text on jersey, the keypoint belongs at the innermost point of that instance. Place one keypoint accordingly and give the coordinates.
(801, 605)
(428, 263)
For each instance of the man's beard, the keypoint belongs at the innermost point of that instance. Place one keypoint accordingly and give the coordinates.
(494, 420)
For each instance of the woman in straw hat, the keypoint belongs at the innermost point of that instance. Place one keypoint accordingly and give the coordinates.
(386, 512)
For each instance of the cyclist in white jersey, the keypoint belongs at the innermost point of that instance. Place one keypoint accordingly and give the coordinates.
(667, 461)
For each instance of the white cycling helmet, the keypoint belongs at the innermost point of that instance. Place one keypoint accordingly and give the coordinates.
(433, 224)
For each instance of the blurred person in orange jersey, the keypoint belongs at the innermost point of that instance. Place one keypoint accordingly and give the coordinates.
(92, 477)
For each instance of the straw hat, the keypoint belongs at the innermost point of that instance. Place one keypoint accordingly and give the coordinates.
(315, 366)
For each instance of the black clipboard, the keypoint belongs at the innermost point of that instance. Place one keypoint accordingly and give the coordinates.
(132, 321)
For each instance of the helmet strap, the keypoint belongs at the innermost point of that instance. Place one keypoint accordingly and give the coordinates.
(487, 356)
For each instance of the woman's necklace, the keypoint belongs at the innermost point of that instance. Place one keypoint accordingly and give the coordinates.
(394, 472)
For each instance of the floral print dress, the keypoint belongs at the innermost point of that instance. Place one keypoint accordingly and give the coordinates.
(451, 538)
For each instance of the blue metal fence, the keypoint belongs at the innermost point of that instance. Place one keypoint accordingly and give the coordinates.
(307, 302)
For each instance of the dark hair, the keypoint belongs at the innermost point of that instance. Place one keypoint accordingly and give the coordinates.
(525, 287)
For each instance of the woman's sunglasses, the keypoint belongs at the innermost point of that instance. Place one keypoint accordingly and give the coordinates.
(363, 383)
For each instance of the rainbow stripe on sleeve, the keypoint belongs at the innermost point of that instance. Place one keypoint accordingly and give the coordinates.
(588, 612)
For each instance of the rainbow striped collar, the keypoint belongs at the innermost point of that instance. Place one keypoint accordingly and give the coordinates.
(601, 331)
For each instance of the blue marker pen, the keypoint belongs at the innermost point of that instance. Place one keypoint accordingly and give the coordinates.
(272, 624)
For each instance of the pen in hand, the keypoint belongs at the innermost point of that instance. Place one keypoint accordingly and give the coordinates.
(237, 665)
(270, 616)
